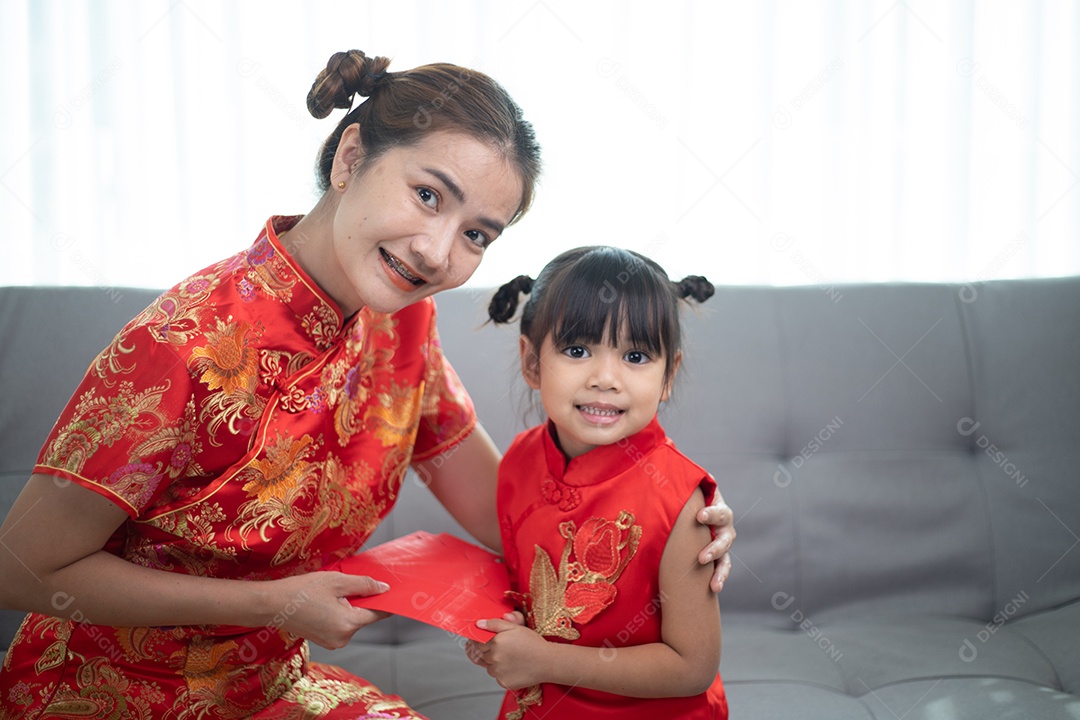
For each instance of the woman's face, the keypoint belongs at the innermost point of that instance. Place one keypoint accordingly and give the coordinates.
(416, 220)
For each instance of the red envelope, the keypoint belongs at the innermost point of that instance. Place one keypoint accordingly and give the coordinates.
(437, 579)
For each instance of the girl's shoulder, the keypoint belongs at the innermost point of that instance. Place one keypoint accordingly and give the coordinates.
(527, 441)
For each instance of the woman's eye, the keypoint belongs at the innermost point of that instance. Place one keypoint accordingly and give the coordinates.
(480, 239)
(636, 357)
(428, 197)
(576, 351)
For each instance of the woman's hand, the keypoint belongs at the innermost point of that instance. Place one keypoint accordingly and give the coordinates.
(722, 520)
(514, 657)
(315, 606)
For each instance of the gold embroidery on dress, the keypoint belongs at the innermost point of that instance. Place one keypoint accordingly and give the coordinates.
(101, 421)
(593, 558)
(228, 360)
(201, 552)
(341, 502)
(348, 383)
(321, 325)
(271, 364)
(174, 317)
(229, 365)
(393, 420)
(303, 498)
(182, 443)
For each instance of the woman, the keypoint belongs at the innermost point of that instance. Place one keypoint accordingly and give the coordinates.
(255, 422)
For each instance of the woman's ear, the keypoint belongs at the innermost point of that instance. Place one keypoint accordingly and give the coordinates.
(530, 363)
(669, 381)
(348, 158)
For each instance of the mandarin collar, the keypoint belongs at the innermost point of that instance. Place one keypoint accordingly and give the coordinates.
(305, 298)
(604, 461)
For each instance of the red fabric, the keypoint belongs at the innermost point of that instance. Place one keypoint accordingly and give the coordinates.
(583, 543)
(252, 432)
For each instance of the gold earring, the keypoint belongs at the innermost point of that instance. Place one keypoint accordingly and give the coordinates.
(341, 184)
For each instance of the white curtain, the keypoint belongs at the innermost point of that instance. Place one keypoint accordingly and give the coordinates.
(785, 142)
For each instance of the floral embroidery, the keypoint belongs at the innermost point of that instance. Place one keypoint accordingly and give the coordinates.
(136, 482)
(584, 585)
(246, 290)
(227, 360)
(103, 421)
(274, 364)
(593, 558)
(173, 317)
(284, 467)
(393, 419)
(321, 325)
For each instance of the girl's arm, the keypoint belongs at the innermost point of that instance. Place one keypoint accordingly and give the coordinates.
(52, 562)
(463, 479)
(684, 663)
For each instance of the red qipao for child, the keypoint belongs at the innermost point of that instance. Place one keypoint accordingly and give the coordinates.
(250, 432)
(583, 542)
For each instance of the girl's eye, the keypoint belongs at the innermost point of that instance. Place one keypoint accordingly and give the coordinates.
(478, 238)
(637, 357)
(576, 351)
(428, 197)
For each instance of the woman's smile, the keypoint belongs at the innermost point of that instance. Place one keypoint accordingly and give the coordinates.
(400, 273)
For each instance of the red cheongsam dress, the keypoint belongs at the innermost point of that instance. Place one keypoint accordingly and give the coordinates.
(583, 542)
(250, 431)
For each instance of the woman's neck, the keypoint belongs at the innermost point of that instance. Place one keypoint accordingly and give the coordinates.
(311, 244)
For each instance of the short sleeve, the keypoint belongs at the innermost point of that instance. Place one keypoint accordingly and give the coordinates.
(130, 427)
(447, 415)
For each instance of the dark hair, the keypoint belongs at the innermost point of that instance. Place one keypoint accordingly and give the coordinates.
(402, 108)
(589, 290)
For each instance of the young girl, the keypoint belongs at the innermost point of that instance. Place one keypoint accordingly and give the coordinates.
(597, 505)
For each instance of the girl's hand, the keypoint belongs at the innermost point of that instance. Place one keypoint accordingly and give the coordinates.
(514, 657)
(315, 606)
(722, 520)
(472, 647)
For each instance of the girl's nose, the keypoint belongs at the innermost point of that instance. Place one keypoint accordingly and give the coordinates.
(605, 371)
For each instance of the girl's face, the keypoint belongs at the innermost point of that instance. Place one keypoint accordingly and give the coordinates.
(417, 219)
(596, 394)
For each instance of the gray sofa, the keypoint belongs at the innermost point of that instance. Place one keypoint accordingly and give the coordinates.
(903, 461)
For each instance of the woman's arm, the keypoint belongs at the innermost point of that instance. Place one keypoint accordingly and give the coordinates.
(52, 562)
(463, 478)
(684, 663)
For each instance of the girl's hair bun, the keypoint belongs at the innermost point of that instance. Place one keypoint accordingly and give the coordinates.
(345, 75)
(504, 304)
(696, 287)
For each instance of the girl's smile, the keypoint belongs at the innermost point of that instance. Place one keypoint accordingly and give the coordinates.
(600, 414)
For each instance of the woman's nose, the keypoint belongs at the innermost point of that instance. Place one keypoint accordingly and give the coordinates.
(434, 248)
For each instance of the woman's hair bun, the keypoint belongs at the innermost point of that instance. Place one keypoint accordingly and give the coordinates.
(504, 304)
(345, 75)
(696, 287)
